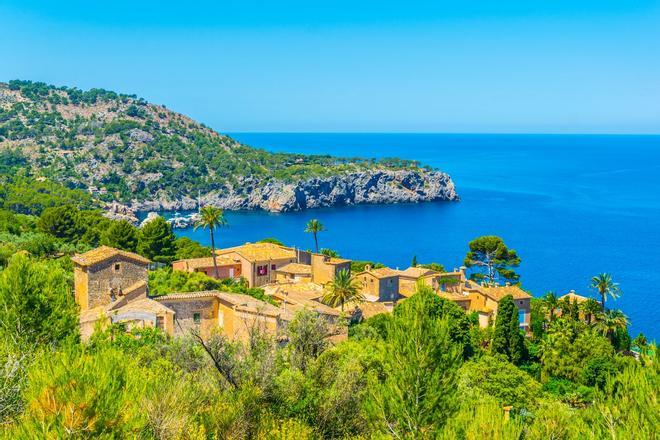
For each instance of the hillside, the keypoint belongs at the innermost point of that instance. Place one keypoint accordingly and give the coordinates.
(123, 149)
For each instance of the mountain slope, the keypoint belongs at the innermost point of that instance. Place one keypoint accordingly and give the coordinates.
(122, 148)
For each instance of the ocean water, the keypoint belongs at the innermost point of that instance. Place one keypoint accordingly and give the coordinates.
(572, 206)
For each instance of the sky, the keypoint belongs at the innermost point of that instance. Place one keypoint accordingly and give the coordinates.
(528, 66)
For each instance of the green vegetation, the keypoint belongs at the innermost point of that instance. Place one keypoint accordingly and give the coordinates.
(138, 151)
(212, 218)
(344, 288)
(493, 258)
(314, 227)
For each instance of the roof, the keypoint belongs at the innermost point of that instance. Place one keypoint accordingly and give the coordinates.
(296, 302)
(307, 290)
(381, 272)
(499, 292)
(335, 260)
(104, 253)
(240, 302)
(143, 305)
(417, 272)
(296, 268)
(451, 296)
(196, 263)
(260, 251)
(572, 296)
(370, 309)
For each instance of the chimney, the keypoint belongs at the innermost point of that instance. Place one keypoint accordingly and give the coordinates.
(507, 284)
(367, 267)
(463, 270)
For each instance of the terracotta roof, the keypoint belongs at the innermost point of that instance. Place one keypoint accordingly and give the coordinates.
(196, 263)
(335, 260)
(370, 309)
(451, 296)
(296, 268)
(307, 290)
(499, 292)
(574, 296)
(143, 305)
(241, 302)
(133, 287)
(260, 251)
(417, 272)
(295, 303)
(381, 272)
(104, 253)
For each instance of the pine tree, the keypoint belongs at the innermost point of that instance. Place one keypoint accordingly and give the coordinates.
(121, 235)
(507, 339)
(157, 241)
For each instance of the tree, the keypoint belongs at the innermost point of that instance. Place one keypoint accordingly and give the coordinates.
(492, 255)
(416, 392)
(344, 288)
(60, 221)
(329, 253)
(307, 333)
(605, 286)
(212, 218)
(314, 227)
(413, 263)
(507, 339)
(157, 241)
(121, 235)
(590, 308)
(610, 322)
(36, 302)
(640, 343)
(551, 302)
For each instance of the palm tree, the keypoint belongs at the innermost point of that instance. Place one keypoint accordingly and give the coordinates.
(590, 308)
(611, 321)
(211, 217)
(605, 286)
(344, 288)
(314, 226)
(551, 302)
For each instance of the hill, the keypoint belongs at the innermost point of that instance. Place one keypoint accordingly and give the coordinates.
(123, 149)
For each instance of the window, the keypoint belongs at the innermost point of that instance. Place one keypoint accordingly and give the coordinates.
(521, 317)
(197, 317)
(273, 267)
(262, 270)
(117, 267)
(160, 322)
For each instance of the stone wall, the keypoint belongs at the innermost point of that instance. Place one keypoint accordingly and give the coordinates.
(115, 273)
(184, 315)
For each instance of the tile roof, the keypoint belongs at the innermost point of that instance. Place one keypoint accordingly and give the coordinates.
(307, 290)
(143, 305)
(296, 268)
(499, 292)
(260, 251)
(370, 309)
(196, 263)
(417, 272)
(381, 272)
(451, 296)
(104, 253)
(242, 302)
(574, 296)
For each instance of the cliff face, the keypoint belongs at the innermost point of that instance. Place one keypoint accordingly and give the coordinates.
(381, 186)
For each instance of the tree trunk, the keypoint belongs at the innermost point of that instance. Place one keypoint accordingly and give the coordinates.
(316, 242)
(215, 263)
(602, 297)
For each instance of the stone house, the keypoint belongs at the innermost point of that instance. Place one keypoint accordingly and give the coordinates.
(380, 284)
(294, 272)
(234, 315)
(227, 267)
(325, 269)
(260, 261)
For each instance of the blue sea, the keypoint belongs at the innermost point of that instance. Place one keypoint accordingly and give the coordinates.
(572, 206)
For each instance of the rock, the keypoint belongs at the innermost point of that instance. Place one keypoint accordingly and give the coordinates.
(151, 216)
(378, 186)
(117, 211)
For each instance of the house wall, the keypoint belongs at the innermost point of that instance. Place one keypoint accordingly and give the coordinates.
(102, 277)
(185, 310)
(281, 277)
(224, 271)
(272, 266)
(388, 289)
(324, 272)
(240, 324)
(81, 284)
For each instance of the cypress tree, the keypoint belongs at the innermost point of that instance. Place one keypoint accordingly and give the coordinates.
(121, 235)
(507, 339)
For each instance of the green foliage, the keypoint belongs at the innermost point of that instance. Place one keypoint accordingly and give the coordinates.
(358, 266)
(508, 339)
(417, 392)
(433, 266)
(60, 222)
(496, 377)
(271, 240)
(121, 235)
(307, 334)
(342, 289)
(493, 258)
(187, 248)
(30, 196)
(313, 227)
(156, 241)
(36, 302)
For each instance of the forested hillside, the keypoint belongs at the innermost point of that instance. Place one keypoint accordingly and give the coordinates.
(122, 148)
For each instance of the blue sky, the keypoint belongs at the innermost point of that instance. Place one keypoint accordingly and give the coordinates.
(464, 66)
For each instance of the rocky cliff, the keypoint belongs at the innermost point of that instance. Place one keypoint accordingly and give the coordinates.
(380, 186)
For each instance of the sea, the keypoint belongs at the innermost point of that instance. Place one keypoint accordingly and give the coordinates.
(572, 206)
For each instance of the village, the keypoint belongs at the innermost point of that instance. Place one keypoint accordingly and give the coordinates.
(111, 287)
